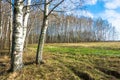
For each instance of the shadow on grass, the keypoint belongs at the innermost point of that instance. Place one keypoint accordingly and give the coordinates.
(29, 63)
(2, 72)
(3, 69)
(109, 72)
(80, 74)
(33, 62)
(2, 64)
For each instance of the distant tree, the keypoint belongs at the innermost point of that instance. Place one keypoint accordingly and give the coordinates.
(0, 23)
(10, 25)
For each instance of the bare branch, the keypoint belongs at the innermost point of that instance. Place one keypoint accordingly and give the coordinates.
(55, 7)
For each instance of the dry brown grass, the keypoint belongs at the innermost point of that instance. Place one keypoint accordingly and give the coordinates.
(90, 44)
(64, 66)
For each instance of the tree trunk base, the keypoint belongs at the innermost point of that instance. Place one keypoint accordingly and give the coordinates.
(16, 69)
(41, 62)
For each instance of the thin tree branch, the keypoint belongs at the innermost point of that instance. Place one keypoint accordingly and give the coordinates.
(55, 7)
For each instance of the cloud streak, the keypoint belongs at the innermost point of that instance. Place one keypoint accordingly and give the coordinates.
(112, 4)
(80, 13)
(90, 2)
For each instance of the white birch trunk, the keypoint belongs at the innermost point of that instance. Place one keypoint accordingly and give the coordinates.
(25, 20)
(17, 39)
(0, 20)
(42, 34)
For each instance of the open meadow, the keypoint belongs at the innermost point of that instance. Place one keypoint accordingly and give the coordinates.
(67, 61)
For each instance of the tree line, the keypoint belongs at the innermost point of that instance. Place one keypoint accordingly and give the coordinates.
(71, 29)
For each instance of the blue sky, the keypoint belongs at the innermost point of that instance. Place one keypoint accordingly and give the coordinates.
(96, 8)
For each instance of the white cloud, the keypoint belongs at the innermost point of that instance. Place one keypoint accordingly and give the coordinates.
(112, 4)
(80, 13)
(85, 13)
(112, 16)
(90, 2)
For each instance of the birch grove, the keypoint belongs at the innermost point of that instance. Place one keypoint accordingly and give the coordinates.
(70, 29)
(25, 22)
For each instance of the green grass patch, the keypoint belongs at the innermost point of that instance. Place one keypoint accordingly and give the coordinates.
(81, 50)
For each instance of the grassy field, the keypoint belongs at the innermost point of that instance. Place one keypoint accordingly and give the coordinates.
(74, 61)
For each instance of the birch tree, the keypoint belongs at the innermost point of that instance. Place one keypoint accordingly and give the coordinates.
(19, 33)
(0, 20)
(42, 34)
(17, 39)
(46, 14)
(25, 19)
